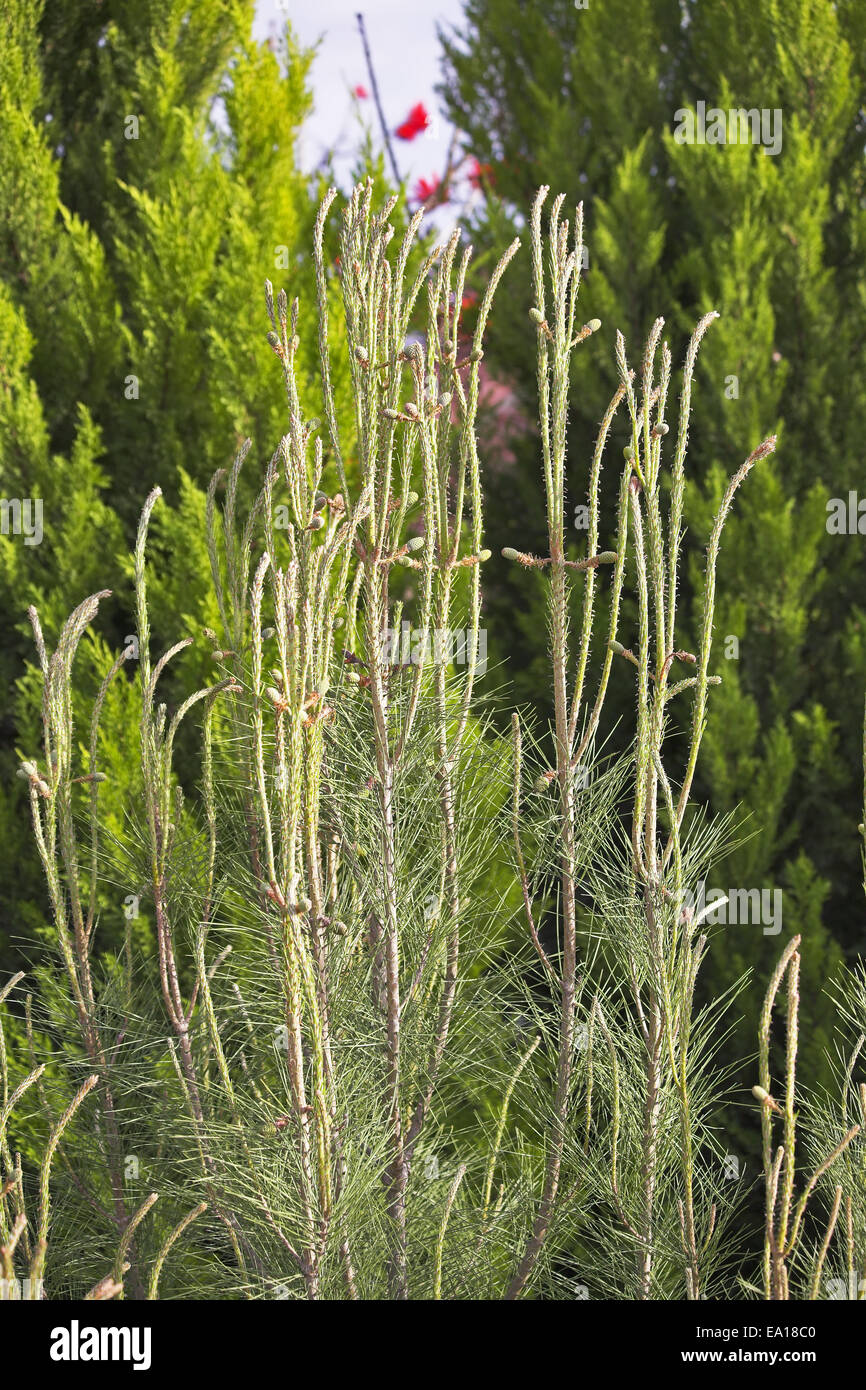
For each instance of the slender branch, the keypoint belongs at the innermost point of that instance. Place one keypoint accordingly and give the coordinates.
(386, 134)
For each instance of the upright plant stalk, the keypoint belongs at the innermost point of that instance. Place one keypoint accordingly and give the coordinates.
(783, 1216)
(163, 807)
(456, 488)
(377, 320)
(557, 339)
(230, 565)
(306, 596)
(51, 802)
(663, 1004)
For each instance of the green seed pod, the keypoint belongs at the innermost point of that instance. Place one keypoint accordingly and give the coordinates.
(319, 501)
(536, 315)
(268, 633)
(484, 554)
(608, 557)
(444, 399)
(415, 543)
(628, 451)
(660, 429)
(316, 523)
(541, 784)
(411, 409)
(594, 325)
(617, 648)
(352, 678)
(274, 341)
(362, 355)
(411, 499)
(28, 770)
(509, 553)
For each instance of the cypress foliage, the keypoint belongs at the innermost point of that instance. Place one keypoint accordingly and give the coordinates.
(148, 187)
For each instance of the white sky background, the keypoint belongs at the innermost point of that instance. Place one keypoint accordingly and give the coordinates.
(405, 51)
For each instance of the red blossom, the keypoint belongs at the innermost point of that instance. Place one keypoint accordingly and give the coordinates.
(416, 122)
(425, 189)
(361, 92)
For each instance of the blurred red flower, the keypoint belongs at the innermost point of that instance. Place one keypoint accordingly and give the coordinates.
(415, 122)
(425, 189)
(361, 92)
